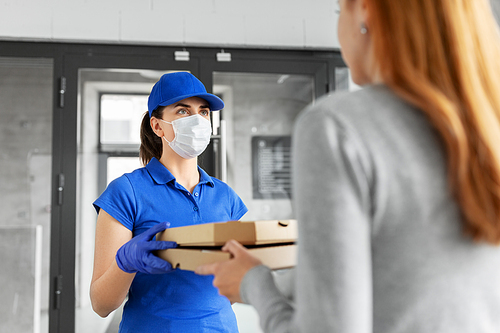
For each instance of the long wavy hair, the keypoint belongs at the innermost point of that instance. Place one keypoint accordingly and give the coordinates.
(443, 56)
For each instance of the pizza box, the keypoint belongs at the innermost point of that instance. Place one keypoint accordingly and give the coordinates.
(275, 257)
(245, 232)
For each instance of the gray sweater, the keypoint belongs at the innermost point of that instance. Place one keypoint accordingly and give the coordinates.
(381, 247)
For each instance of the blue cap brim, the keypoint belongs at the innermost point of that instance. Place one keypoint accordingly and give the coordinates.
(214, 102)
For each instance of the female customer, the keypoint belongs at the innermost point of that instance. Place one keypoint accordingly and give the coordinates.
(397, 185)
(134, 207)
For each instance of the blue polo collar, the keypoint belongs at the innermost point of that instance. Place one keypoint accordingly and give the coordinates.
(161, 175)
(205, 178)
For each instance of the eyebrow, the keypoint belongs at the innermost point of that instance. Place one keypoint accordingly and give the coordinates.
(204, 106)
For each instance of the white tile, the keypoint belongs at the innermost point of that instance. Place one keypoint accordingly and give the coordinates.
(228, 7)
(272, 9)
(171, 8)
(321, 32)
(214, 29)
(19, 20)
(263, 31)
(122, 4)
(83, 21)
(264, 8)
(282, 23)
(151, 26)
(268, 23)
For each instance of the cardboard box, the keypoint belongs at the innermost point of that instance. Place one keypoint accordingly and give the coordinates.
(245, 232)
(269, 240)
(275, 257)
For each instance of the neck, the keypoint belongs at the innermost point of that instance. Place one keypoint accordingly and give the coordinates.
(185, 171)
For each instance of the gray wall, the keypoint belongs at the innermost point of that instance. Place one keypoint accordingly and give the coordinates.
(25, 129)
(25, 169)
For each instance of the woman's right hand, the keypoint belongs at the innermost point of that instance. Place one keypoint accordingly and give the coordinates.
(110, 284)
(137, 254)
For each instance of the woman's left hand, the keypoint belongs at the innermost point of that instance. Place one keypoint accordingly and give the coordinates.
(229, 274)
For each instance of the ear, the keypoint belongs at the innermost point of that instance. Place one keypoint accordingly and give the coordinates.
(155, 126)
(363, 11)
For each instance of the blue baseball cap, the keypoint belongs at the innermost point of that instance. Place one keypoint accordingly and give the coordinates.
(174, 87)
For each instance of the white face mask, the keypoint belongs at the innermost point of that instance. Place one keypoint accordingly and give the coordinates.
(191, 135)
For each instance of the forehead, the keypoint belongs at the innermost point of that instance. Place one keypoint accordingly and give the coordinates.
(193, 102)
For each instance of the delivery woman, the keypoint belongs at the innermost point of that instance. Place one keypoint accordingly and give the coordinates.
(169, 191)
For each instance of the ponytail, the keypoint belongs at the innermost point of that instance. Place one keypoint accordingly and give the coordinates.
(151, 145)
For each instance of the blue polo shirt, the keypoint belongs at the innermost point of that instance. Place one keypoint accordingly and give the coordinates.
(179, 301)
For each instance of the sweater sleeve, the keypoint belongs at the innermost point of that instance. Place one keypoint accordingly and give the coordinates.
(333, 278)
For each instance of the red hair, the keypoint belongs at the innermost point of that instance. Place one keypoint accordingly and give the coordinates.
(444, 57)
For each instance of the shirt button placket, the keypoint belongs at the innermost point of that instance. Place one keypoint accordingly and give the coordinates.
(195, 197)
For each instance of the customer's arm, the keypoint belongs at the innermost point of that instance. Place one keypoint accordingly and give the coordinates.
(333, 274)
(110, 284)
(285, 281)
(333, 288)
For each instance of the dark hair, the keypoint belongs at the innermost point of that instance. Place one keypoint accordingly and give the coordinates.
(151, 145)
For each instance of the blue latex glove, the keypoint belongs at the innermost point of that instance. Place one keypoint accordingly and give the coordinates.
(137, 254)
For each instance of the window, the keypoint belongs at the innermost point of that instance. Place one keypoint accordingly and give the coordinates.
(120, 122)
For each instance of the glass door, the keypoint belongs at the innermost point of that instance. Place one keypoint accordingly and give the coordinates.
(255, 143)
(112, 103)
(258, 121)
(26, 86)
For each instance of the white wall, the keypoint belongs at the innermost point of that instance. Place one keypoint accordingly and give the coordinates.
(297, 24)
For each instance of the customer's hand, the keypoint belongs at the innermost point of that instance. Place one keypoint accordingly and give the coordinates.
(137, 254)
(229, 274)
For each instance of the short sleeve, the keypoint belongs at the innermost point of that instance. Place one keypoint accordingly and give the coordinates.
(118, 200)
(238, 208)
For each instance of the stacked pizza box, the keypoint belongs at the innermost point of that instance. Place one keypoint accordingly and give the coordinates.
(272, 241)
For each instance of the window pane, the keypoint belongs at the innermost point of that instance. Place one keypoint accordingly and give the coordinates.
(117, 166)
(342, 78)
(259, 114)
(121, 117)
(258, 118)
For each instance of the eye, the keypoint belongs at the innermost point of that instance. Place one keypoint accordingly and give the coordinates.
(182, 111)
(205, 113)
